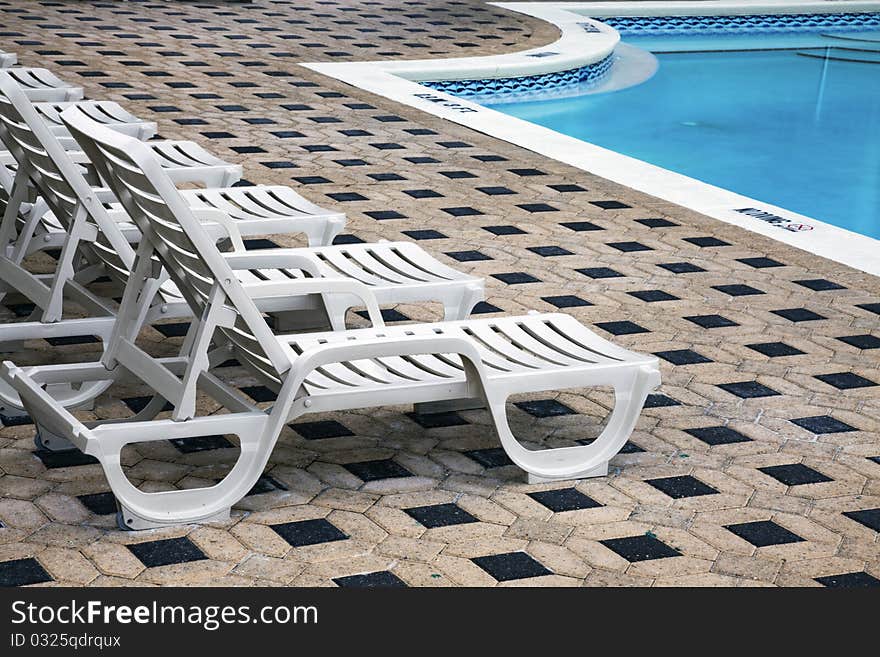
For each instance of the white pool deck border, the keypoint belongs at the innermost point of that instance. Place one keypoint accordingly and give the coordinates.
(576, 47)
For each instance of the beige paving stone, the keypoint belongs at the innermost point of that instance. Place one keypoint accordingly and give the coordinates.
(596, 555)
(559, 559)
(113, 560)
(747, 567)
(358, 526)
(471, 547)
(346, 500)
(62, 508)
(193, 573)
(355, 565)
(463, 572)
(69, 565)
(547, 531)
(395, 521)
(23, 488)
(217, 544)
(405, 548)
(421, 574)
(260, 538)
(706, 580)
(335, 550)
(11, 551)
(21, 514)
(64, 535)
(259, 566)
(605, 578)
(104, 580)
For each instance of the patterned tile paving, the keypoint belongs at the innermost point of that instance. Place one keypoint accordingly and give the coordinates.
(758, 462)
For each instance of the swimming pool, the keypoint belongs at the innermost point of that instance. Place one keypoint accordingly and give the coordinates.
(792, 120)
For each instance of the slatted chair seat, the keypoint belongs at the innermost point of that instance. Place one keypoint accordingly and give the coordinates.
(515, 350)
(41, 85)
(487, 360)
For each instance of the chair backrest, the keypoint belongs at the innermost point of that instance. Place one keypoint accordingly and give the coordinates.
(60, 181)
(102, 111)
(179, 240)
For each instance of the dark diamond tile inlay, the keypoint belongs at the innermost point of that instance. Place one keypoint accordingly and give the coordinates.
(680, 487)
(510, 566)
(748, 389)
(870, 518)
(166, 552)
(795, 474)
(821, 424)
(440, 515)
(564, 499)
(764, 533)
(719, 435)
(436, 420)
(544, 408)
(21, 572)
(856, 580)
(381, 579)
(375, 470)
(309, 532)
(321, 429)
(640, 548)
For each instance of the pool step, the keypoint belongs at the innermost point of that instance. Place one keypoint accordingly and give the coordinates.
(843, 37)
(836, 54)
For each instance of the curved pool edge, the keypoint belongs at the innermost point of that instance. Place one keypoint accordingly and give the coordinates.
(397, 81)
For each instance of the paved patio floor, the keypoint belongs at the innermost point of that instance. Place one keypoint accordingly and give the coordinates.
(758, 463)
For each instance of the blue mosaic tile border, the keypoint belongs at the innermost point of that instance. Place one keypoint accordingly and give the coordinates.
(589, 75)
(761, 23)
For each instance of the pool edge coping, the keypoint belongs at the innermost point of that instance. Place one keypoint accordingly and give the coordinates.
(397, 81)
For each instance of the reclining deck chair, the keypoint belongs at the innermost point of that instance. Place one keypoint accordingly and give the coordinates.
(488, 359)
(185, 162)
(396, 272)
(41, 85)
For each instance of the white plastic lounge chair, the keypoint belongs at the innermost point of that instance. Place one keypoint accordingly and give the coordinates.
(41, 85)
(397, 272)
(7, 59)
(488, 359)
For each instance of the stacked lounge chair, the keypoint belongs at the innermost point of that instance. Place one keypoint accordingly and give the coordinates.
(183, 249)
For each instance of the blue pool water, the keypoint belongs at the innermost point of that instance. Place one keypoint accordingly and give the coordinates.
(790, 127)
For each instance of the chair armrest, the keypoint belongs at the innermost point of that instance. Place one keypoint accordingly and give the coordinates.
(302, 286)
(275, 259)
(219, 225)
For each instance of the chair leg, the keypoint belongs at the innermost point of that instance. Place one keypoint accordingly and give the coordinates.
(45, 439)
(563, 463)
(141, 510)
(460, 307)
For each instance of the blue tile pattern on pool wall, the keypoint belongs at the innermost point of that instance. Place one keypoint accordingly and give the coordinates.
(763, 23)
(588, 75)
